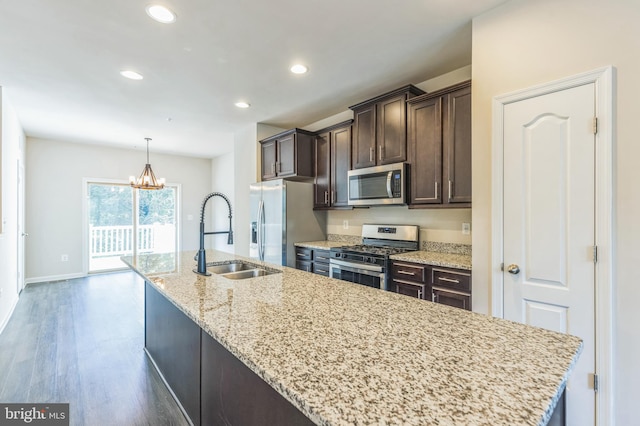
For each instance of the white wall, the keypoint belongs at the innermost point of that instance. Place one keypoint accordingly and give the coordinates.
(527, 42)
(222, 180)
(12, 141)
(54, 202)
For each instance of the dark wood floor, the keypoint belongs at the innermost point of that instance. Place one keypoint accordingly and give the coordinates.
(81, 341)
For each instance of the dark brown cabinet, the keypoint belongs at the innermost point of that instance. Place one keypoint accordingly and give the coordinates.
(439, 146)
(380, 128)
(410, 279)
(313, 260)
(451, 287)
(288, 155)
(333, 161)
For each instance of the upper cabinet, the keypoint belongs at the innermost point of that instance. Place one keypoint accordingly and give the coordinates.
(288, 155)
(380, 128)
(333, 161)
(439, 145)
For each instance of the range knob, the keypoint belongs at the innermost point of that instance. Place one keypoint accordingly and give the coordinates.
(343, 255)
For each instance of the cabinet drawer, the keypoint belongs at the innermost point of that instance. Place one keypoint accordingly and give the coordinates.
(321, 256)
(452, 279)
(304, 253)
(321, 269)
(409, 272)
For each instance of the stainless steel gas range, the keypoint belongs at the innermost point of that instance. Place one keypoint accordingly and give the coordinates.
(368, 263)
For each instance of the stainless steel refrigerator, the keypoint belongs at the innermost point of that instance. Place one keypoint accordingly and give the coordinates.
(282, 214)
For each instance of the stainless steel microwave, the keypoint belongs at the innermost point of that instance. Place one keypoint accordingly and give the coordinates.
(380, 185)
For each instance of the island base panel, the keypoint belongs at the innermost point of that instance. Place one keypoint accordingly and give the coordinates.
(232, 394)
(172, 341)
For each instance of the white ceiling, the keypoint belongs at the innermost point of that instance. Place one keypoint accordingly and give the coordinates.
(60, 64)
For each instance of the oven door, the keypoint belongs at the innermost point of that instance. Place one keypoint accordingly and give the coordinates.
(369, 275)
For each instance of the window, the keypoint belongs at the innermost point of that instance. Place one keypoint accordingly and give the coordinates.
(125, 221)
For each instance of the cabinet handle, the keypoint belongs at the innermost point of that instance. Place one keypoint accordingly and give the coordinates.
(301, 254)
(419, 294)
(406, 273)
(371, 154)
(326, 197)
(449, 280)
(333, 198)
(447, 290)
(380, 152)
(450, 186)
(435, 185)
(323, 258)
(433, 296)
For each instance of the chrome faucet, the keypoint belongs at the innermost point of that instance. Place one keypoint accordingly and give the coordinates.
(201, 256)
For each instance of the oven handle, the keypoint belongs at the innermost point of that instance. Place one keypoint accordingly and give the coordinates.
(389, 192)
(357, 270)
(360, 267)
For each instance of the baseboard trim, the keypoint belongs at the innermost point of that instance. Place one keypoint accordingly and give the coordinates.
(49, 278)
(5, 321)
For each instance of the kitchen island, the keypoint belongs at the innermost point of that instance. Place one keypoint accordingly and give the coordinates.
(343, 354)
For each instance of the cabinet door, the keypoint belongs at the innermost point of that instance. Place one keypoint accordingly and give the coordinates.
(340, 165)
(364, 137)
(286, 162)
(391, 136)
(451, 298)
(322, 167)
(268, 160)
(410, 289)
(457, 146)
(425, 142)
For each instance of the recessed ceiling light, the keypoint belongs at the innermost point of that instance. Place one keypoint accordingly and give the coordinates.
(161, 14)
(299, 69)
(242, 105)
(131, 74)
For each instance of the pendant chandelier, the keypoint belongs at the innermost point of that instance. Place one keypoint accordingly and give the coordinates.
(147, 180)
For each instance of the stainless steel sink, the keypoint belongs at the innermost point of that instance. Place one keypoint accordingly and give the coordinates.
(251, 273)
(225, 268)
(240, 270)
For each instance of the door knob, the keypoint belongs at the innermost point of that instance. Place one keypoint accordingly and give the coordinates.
(24, 234)
(513, 269)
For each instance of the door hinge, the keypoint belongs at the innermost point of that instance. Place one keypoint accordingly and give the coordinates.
(593, 381)
(595, 254)
(595, 125)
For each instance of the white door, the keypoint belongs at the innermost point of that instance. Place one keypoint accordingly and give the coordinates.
(21, 231)
(549, 222)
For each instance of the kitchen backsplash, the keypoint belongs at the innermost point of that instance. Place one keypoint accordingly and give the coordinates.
(347, 239)
(451, 248)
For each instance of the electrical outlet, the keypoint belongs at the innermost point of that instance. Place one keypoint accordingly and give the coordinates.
(64, 258)
(345, 224)
(466, 228)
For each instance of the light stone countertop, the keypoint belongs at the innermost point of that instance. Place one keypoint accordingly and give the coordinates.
(448, 260)
(348, 354)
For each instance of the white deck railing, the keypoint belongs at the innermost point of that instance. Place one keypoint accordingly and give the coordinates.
(118, 240)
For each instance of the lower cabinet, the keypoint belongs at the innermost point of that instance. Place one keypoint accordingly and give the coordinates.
(211, 385)
(447, 286)
(410, 279)
(313, 260)
(451, 287)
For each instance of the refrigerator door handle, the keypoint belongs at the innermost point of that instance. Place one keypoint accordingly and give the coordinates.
(261, 223)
